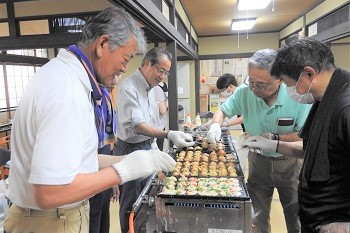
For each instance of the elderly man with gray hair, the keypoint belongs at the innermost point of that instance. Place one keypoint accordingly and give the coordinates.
(267, 110)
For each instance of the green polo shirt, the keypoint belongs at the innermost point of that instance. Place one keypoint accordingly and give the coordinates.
(259, 118)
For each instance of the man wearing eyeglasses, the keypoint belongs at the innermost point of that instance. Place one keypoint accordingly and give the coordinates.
(267, 110)
(136, 119)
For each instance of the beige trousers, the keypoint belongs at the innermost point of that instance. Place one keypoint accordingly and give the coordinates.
(24, 220)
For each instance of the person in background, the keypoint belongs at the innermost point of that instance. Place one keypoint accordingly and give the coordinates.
(113, 93)
(263, 101)
(161, 92)
(100, 203)
(227, 84)
(307, 67)
(55, 167)
(136, 114)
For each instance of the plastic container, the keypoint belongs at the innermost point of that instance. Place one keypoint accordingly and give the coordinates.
(198, 120)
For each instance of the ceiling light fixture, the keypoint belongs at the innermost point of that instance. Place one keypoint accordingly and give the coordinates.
(252, 4)
(243, 24)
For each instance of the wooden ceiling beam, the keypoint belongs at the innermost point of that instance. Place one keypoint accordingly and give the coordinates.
(38, 41)
(153, 19)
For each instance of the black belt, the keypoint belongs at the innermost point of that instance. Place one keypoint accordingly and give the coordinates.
(283, 157)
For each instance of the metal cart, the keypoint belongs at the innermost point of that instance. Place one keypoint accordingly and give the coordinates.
(159, 213)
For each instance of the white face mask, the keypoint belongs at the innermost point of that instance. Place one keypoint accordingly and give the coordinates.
(226, 93)
(300, 98)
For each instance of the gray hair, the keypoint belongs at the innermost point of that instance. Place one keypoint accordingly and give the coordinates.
(262, 59)
(116, 23)
(155, 55)
(292, 58)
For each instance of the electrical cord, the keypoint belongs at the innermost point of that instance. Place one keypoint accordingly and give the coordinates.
(131, 222)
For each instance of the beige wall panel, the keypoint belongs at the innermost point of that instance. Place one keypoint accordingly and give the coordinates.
(341, 51)
(229, 44)
(51, 53)
(165, 10)
(314, 14)
(192, 88)
(4, 29)
(295, 26)
(135, 63)
(47, 7)
(194, 34)
(323, 9)
(182, 14)
(34, 27)
(344, 40)
(3, 11)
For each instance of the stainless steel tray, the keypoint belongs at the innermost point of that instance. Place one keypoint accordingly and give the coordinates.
(242, 196)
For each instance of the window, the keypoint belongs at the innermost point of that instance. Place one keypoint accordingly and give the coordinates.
(29, 52)
(41, 53)
(14, 77)
(17, 79)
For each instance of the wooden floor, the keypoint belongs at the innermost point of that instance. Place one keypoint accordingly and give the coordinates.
(277, 219)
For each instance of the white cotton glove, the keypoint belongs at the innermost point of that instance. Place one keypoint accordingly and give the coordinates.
(239, 140)
(180, 139)
(214, 133)
(143, 163)
(271, 136)
(154, 145)
(334, 227)
(261, 143)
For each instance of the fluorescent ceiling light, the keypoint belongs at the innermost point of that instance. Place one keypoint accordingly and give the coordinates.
(252, 4)
(243, 24)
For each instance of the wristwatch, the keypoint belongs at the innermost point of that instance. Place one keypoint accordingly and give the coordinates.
(275, 136)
